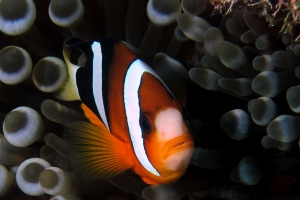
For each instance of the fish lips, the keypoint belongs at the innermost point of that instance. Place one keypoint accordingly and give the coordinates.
(175, 145)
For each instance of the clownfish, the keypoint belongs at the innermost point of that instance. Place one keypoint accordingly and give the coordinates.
(136, 122)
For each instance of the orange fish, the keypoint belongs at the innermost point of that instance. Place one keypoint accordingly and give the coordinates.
(136, 122)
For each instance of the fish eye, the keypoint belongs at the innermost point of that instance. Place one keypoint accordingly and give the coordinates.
(145, 124)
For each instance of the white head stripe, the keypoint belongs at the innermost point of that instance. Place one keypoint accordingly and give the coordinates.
(132, 108)
(97, 81)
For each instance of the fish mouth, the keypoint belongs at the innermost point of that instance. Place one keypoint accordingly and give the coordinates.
(175, 145)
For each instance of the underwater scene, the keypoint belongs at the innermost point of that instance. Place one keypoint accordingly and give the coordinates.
(149, 99)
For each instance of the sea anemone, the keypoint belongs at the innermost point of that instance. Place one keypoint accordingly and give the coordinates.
(234, 66)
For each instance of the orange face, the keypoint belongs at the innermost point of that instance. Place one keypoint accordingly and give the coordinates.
(166, 135)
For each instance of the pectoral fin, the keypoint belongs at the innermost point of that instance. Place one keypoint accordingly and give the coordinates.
(99, 154)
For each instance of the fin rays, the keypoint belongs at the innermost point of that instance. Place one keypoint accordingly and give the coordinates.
(99, 154)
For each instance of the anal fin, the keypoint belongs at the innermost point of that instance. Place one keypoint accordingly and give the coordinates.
(98, 154)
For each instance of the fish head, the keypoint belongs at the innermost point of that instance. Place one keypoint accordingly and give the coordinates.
(166, 135)
(169, 145)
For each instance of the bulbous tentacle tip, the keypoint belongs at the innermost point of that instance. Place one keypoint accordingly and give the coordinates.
(66, 13)
(163, 12)
(15, 65)
(28, 176)
(55, 181)
(50, 74)
(23, 126)
(16, 16)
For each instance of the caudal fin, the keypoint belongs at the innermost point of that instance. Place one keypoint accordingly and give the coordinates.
(69, 92)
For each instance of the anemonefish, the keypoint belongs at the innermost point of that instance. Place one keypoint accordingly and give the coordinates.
(136, 122)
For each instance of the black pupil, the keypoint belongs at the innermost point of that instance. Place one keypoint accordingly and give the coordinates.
(145, 125)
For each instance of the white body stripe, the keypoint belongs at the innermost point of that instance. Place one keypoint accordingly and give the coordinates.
(97, 81)
(132, 108)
